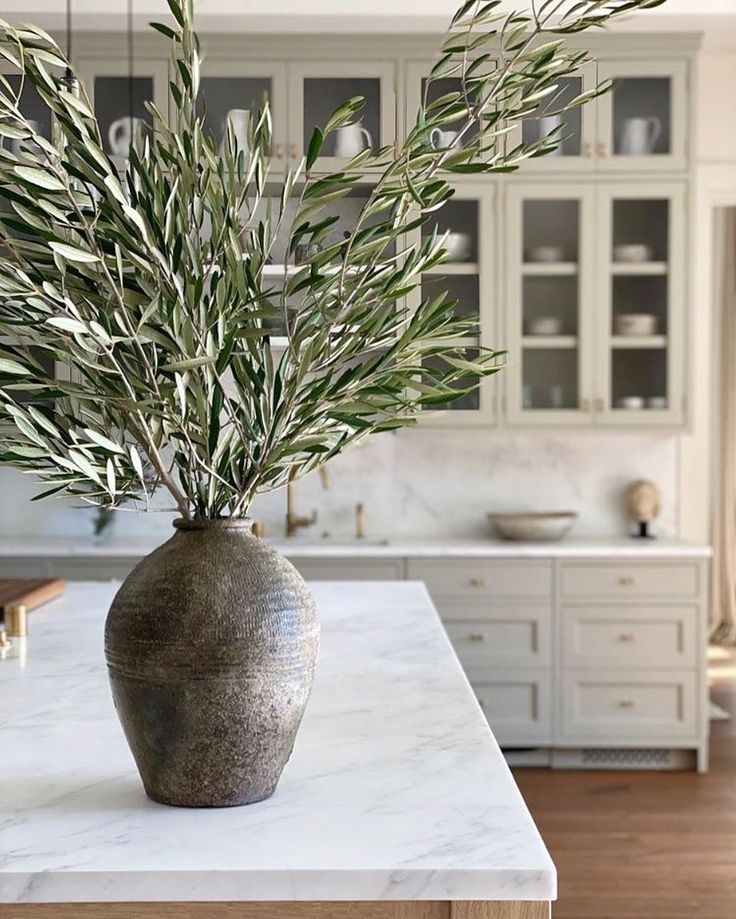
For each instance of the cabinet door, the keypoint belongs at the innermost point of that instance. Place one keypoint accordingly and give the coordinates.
(31, 105)
(420, 91)
(316, 89)
(576, 128)
(517, 704)
(230, 90)
(643, 120)
(550, 263)
(116, 96)
(642, 270)
(466, 277)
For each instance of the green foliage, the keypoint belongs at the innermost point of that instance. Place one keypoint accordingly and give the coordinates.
(149, 286)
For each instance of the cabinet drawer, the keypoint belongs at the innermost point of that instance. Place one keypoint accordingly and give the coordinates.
(632, 636)
(634, 705)
(517, 705)
(509, 637)
(608, 581)
(477, 578)
(349, 569)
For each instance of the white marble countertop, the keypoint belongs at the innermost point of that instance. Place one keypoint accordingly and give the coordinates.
(59, 547)
(396, 789)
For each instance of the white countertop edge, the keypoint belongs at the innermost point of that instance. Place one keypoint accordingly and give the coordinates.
(617, 548)
(263, 886)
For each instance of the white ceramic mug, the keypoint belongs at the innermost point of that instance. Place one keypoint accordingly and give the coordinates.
(238, 119)
(551, 124)
(352, 139)
(443, 140)
(122, 133)
(639, 136)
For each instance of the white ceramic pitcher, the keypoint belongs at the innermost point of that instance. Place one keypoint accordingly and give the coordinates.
(238, 119)
(352, 139)
(549, 124)
(639, 136)
(122, 133)
(443, 140)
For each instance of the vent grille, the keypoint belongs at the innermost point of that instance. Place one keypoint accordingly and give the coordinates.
(628, 758)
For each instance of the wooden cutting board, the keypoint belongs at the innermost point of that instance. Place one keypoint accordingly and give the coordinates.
(29, 592)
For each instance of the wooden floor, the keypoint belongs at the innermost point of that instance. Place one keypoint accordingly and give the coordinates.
(645, 845)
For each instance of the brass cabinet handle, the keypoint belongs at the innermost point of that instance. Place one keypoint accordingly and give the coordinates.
(599, 405)
(477, 636)
(626, 703)
(588, 151)
(626, 581)
(602, 150)
(293, 151)
(626, 636)
(279, 151)
(477, 582)
(585, 405)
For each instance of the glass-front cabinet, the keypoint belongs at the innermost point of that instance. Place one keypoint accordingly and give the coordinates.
(116, 96)
(550, 266)
(316, 89)
(231, 91)
(595, 304)
(642, 121)
(466, 277)
(642, 263)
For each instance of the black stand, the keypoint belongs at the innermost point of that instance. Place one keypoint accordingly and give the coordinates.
(643, 532)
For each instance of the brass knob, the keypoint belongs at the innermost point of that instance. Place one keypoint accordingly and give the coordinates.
(279, 151)
(626, 581)
(258, 529)
(293, 151)
(477, 636)
(585, 405)
(602, 150)
(626, 636)
(588, 151)
(477, 582)
(626, 703)
(599, 405)
(482, 703)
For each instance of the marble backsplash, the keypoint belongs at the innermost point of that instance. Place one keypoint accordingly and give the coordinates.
(425, 484)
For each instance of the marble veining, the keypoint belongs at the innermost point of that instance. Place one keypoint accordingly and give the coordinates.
(396, 789)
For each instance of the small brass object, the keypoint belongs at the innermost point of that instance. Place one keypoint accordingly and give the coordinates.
(5, 645)
(360, 520)
(16, 621)
(258, 529)
(477, 582)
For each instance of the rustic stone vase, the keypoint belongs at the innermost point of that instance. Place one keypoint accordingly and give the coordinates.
(211, 644)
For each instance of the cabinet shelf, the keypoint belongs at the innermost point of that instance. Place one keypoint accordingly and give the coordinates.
(639, 269)
(631, 342)
(550, 269)
(550, 341)
(454, 268)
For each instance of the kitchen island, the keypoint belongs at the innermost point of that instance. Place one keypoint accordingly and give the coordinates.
(397, 801)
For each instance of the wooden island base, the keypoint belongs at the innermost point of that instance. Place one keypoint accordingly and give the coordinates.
(405, 909)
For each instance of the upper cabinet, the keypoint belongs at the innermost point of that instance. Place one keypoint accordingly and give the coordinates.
(116, 95)
(640, 124)
(317, 89)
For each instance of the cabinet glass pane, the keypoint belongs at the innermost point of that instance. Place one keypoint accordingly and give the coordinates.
(459, 219)
(116, 98)
(32, 106)
(463, 289)
(550, 378)
(446, 136)
(224, 99)
(642, 108)
(551, 233)
(470, 401)
(322, 95)
(639, 378)
(639, 304)
(570, 123)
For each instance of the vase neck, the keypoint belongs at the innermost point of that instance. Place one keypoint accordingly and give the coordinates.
(239, 524)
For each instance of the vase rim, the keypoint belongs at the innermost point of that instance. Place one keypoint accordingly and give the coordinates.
(213, 523)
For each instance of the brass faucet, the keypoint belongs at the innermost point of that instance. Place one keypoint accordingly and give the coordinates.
(294, 521)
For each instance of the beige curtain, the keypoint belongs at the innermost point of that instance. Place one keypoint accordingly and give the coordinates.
(724, 561)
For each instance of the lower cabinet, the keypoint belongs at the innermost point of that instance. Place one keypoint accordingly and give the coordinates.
(517, 704)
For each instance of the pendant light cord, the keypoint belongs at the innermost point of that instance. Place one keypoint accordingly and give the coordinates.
(69, 38)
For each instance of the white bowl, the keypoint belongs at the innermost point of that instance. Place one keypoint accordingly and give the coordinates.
(533, 527)
(632, 252)
(545, 325)
(458, 246)
(547, 254)
(635, 324)
(632, 403)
